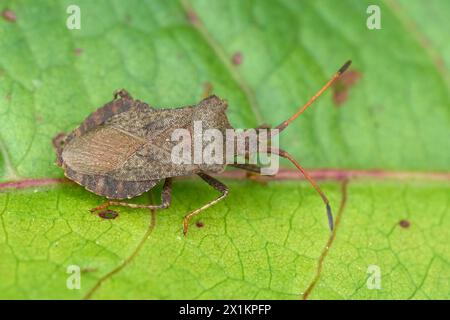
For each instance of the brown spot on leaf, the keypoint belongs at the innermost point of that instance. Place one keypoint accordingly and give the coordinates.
(108, 214)
(78, 51)
(9, 15)
(342, 86)
(404, 223)
(199, 224)
(237, 58)
(192, 16)
(87, 270)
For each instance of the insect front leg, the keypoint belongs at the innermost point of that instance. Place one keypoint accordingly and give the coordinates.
(253, 168)
(166, 199)
(252, 172)
(216, 184)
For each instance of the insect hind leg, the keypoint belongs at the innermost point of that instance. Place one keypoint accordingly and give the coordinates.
(166, 199)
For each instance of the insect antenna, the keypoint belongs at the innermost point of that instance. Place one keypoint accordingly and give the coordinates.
(284, 124)
(286, 155)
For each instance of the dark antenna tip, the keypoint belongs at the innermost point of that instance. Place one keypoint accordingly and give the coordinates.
(345, 67)
(330, 217)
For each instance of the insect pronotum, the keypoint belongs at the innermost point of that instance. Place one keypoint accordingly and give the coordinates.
(123, 150)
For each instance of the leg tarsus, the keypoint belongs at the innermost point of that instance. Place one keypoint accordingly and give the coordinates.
(101, 207)
(216, 184)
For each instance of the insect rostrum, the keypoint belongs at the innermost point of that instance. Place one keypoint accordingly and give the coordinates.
(124, 149)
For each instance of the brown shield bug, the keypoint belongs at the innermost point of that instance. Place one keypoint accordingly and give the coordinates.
(124, 149)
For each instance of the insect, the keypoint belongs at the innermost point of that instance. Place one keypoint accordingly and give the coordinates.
(124, 149)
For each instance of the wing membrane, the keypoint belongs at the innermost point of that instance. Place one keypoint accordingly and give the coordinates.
(100, 151)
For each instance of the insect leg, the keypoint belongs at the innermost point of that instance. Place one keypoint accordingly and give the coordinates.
(122, 93)
(253, 172)
(166, 199)
(216, 184)
(251, 168)
(286, 155)
(247, 167)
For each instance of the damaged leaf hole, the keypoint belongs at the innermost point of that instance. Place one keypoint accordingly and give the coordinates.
(116, 152)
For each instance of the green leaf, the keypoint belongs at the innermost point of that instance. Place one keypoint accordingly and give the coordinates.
(262, 241)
